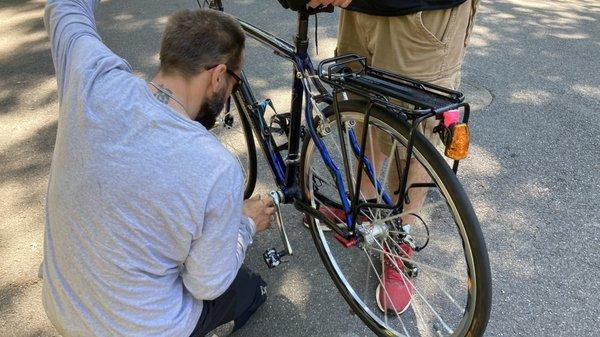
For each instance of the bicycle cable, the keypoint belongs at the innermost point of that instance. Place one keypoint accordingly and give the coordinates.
(316, 37)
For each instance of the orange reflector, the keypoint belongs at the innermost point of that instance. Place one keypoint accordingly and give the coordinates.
(458, 146)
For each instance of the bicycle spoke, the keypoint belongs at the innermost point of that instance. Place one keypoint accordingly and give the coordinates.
(352, 177)
(407, 280)
(416, 211)
(331, 212)
(382, 284)
(437, 284)
(411, 234)
(321, 179)
(383, 176)
(335, 187)
(375, 175)
(418, 314)
(312, 200)
(440, 295)
(354, 181)
(426, 265)
(368, 273)
(462, 310)
(386, 172)
(420, 264)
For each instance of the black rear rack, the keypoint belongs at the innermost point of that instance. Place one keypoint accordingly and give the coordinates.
(351, 73)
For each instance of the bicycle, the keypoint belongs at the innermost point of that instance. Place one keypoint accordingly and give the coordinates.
(358, 216)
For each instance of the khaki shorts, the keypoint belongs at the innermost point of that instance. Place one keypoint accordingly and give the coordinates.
(429, 46)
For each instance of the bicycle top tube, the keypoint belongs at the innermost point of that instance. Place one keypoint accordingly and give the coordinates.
(280, 46)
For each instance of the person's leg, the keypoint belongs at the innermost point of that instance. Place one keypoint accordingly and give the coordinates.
(428, 46)
(352, 34)
(354, 37)
(245, 295)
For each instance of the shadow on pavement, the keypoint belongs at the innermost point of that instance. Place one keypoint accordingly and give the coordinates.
(532, 167)
(533, 152)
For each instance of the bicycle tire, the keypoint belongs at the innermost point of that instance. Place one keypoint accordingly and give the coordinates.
(250, 183)
(479, 314)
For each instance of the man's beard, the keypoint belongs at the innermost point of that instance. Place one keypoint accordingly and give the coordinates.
(210, 110)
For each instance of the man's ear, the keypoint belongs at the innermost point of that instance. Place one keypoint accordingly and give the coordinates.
(217, 78)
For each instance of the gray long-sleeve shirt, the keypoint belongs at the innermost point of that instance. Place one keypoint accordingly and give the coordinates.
(144, 209)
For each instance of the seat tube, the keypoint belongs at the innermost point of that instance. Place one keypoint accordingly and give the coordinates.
(301, 48)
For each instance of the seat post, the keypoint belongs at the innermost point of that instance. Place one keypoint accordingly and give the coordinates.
(301, 39)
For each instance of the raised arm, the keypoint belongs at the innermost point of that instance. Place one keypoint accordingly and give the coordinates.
(75, 43)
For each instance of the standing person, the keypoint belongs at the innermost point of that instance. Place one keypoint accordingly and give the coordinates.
(425, 40)
(146, 227)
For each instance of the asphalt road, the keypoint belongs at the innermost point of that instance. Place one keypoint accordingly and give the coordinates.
(533, 175)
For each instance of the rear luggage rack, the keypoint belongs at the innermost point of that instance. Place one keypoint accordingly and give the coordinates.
(351, 73)
(410, 98)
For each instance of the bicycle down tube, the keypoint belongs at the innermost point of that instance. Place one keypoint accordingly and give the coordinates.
(285, 170)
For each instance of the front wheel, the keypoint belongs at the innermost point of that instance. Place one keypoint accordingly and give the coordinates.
(233, 130)
(423, 272)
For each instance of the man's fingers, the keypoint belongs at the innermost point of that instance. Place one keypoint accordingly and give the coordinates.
(343, 3)
(314, 3)
(339, 3)
(268, 201)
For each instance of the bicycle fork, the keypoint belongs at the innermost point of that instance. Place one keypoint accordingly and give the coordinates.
(271, 256)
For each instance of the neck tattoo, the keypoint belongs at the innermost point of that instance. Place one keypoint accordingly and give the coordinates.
(164, 94)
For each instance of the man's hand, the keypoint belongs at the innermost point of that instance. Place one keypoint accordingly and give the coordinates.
(261, 210)
(339, 3)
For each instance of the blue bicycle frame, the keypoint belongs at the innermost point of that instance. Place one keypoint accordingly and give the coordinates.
(285, 169)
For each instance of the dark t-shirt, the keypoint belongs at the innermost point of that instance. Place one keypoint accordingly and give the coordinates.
(399, 7)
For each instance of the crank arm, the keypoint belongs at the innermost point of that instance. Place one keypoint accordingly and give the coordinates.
(277, 200)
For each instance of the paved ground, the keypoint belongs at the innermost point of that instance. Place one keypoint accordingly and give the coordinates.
(533, 174)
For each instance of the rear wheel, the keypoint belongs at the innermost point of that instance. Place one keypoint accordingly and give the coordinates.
(445, 272)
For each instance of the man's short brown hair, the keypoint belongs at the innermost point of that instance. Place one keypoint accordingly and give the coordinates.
(195, 40)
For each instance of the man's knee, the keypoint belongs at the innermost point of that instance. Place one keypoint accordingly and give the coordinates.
(255, 295)
(260, 291)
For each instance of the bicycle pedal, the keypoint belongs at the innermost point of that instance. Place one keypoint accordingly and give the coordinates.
(282, 147)
(273, 258)
(279, 123)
